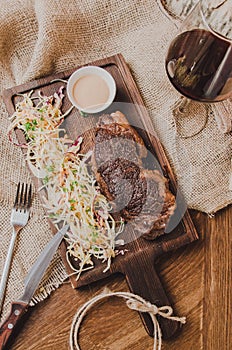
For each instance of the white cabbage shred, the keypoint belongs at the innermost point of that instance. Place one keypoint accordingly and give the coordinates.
(72, 194)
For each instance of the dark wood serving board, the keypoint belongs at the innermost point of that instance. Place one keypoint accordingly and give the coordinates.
(137, 264)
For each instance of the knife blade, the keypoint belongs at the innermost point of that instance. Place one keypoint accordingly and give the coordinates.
(31, 283)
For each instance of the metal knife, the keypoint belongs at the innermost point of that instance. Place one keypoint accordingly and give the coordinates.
(31, 282)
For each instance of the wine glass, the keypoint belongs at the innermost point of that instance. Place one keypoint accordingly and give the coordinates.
(199, 64)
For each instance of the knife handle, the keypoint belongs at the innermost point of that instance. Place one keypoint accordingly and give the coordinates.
(8, 326)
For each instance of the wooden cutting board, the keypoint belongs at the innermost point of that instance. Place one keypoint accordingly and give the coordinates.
(138, 263)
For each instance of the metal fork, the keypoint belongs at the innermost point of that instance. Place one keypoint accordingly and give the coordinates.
(19, 218)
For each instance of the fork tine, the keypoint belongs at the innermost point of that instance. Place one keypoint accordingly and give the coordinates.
(20, 203)
(29, 197)
(17, 196)
(25, 196)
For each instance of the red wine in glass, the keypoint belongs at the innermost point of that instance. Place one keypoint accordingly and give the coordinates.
(199, 65)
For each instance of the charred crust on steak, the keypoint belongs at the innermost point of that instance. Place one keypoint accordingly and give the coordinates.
(141, 196)
(158, 207)
(115, 125)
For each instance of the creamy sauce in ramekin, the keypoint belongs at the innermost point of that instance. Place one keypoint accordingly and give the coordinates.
(90, 91)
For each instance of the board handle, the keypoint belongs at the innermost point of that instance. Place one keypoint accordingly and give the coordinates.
(143, 280)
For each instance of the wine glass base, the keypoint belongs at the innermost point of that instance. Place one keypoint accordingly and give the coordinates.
(190, 118)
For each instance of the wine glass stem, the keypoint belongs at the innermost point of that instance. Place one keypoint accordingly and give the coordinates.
(190, 117)
(182, 105)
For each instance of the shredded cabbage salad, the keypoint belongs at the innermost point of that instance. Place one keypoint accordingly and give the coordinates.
(72, 194)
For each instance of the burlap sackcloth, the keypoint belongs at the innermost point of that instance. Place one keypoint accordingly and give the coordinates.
(41, 37)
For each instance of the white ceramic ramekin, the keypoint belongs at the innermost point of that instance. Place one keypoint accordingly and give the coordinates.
(89, 70)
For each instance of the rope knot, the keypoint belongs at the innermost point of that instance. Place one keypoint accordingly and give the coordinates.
(142, 306)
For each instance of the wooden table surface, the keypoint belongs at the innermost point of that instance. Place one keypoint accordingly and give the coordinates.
(196, 277)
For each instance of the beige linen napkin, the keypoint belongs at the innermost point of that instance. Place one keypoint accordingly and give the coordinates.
(223, 115)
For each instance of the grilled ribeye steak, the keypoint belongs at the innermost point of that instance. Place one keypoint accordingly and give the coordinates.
(141, 196)
(115, 138)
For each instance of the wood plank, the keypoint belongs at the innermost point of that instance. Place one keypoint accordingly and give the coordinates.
(218, 262)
